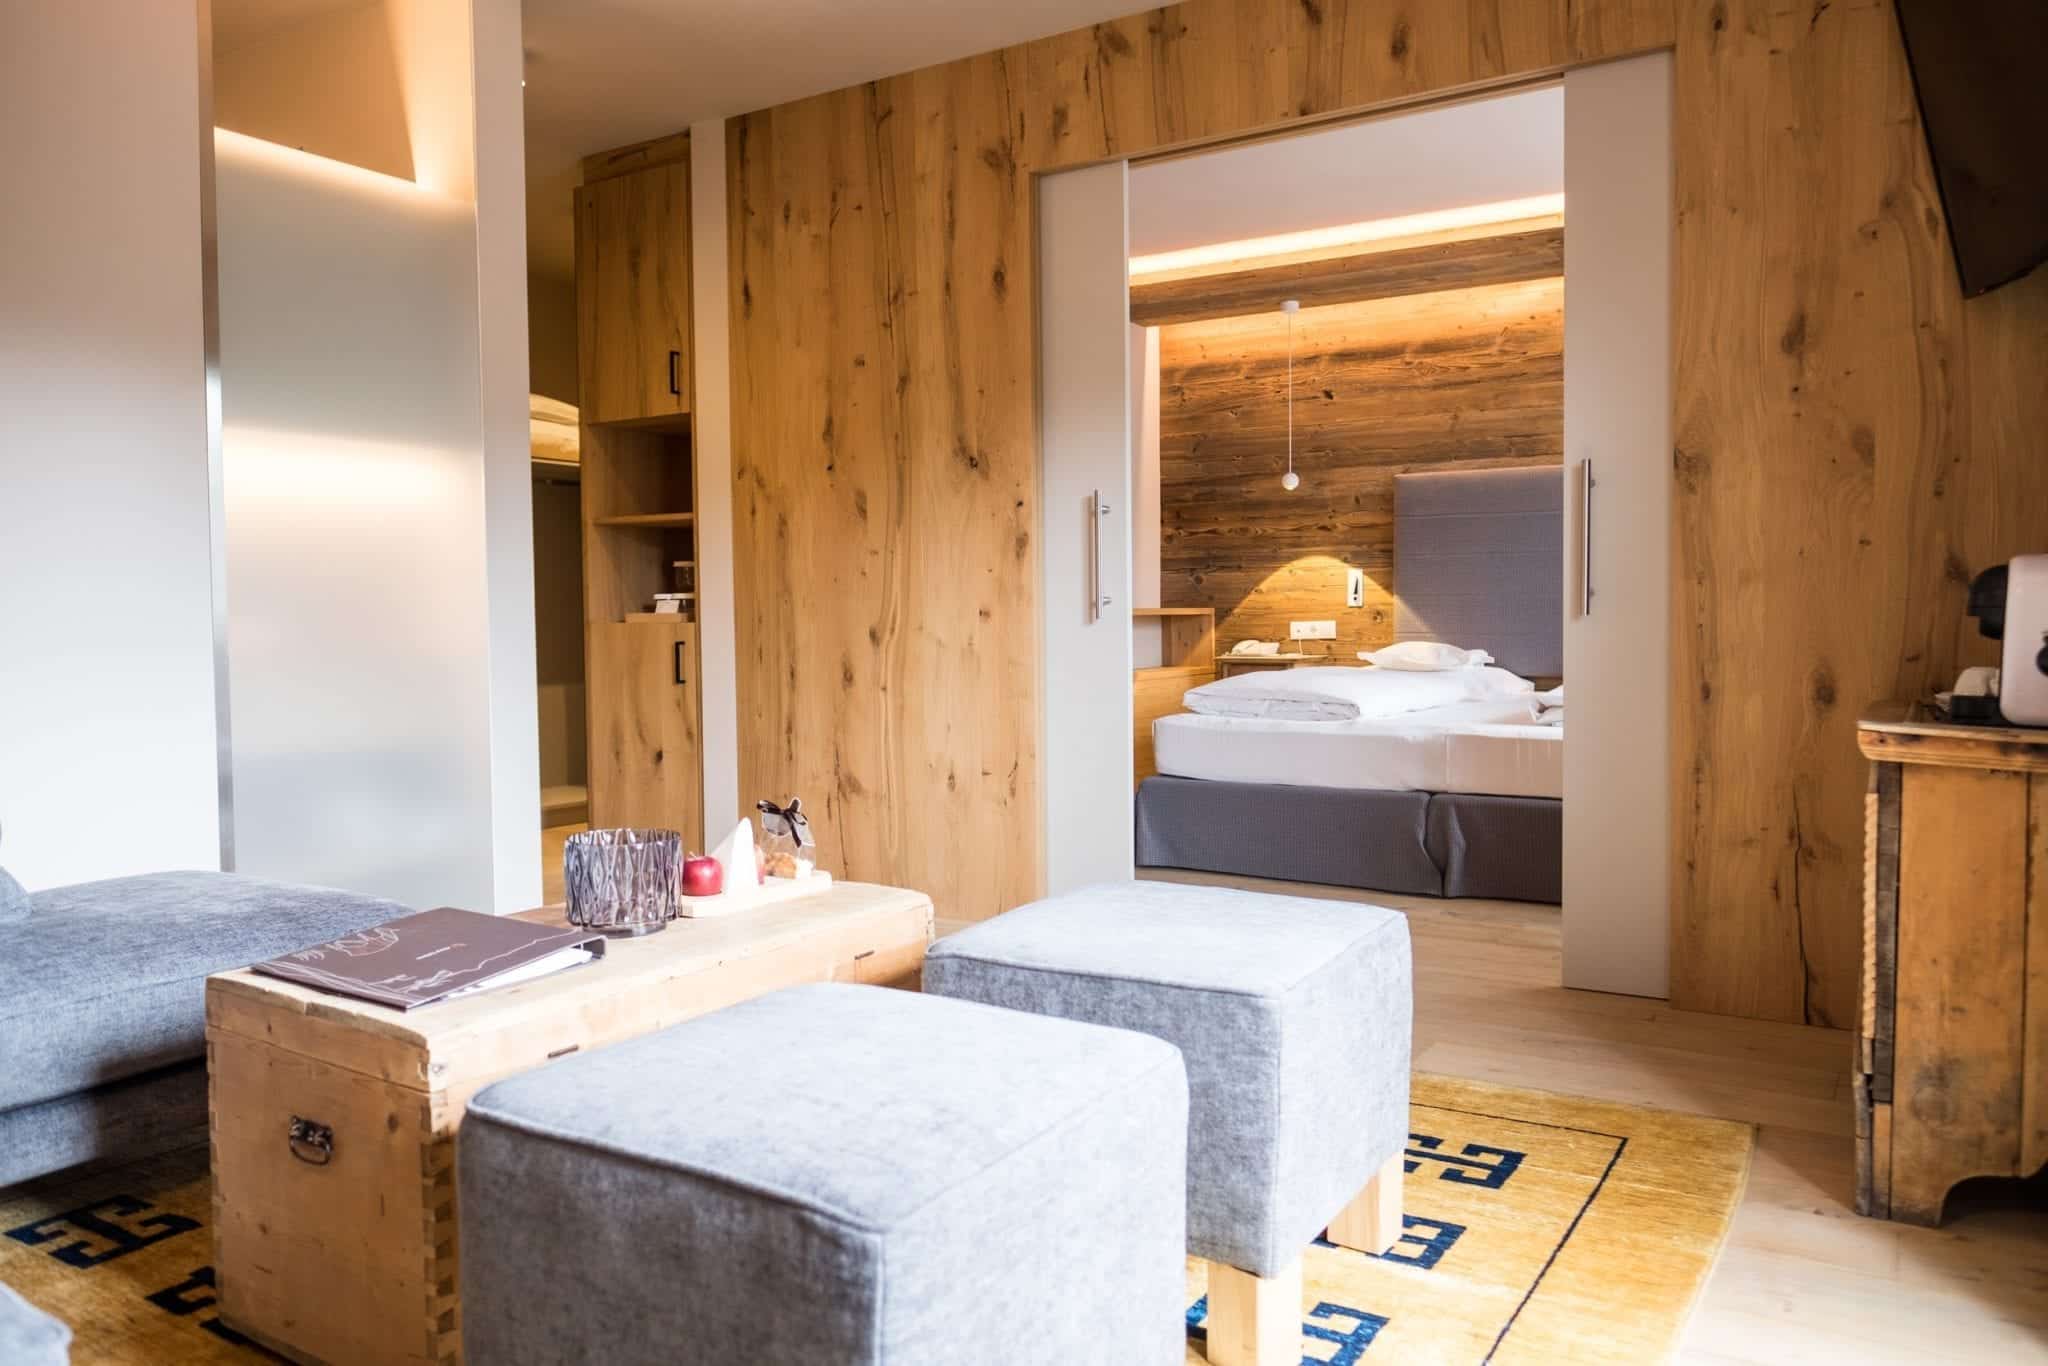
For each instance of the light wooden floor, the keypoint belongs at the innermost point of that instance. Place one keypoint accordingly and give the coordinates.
(1803, 1278)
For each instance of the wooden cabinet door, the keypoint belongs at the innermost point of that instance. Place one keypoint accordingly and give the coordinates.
(633, 294)
(645, 768)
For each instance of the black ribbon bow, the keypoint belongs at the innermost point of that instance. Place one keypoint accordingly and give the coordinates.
(787, 820)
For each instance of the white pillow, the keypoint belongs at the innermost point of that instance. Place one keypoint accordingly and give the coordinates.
(1426, 656)
(1335, 693)
(1553, 698)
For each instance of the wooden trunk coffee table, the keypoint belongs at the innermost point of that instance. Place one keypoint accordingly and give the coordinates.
(333, 1120)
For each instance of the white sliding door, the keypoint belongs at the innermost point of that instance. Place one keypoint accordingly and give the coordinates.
(1617, 425)
(1085, 519)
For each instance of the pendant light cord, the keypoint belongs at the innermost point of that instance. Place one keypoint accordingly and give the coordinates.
(1290, 391)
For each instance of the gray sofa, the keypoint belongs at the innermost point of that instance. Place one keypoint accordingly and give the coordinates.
(102, 1003)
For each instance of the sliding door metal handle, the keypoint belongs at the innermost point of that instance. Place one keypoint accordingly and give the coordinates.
(675, 373)
(1586, 537)
(1097, 512)
(681, 677)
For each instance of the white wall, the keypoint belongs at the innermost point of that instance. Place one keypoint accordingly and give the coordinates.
(108, 762)
(358, 621)
(1085, 445)
(494, 123)
(718, 667)
(1617, 414)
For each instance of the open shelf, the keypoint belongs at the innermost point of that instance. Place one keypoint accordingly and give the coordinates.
(651, 519)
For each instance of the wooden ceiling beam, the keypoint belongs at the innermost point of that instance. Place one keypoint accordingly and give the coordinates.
(1504, 258)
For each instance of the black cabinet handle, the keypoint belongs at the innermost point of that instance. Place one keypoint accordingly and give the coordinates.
(680, 680)
(675, 377)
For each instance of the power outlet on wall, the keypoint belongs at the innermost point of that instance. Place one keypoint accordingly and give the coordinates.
(1312, 630)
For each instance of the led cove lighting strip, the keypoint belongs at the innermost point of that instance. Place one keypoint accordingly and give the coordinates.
(1349, 234)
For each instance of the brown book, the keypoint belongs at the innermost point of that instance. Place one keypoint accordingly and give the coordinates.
(419, 959)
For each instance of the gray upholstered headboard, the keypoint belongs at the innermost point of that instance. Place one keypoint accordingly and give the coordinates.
(1479, 562)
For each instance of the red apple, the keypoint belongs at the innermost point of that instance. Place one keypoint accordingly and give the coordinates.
(702, 876)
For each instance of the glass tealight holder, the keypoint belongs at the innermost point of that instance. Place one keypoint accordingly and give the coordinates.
(622, 882)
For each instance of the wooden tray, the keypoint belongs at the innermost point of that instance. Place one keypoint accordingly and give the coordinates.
(772, 892)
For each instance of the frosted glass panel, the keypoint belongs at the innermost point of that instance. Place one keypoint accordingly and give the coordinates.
(353, 470)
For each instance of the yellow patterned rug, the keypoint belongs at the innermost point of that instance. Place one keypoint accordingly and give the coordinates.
(1539, 1228)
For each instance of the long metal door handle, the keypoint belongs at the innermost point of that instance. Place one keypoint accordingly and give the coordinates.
(680, 679)
(1586, 538)
(675, 378)
(1098, 511)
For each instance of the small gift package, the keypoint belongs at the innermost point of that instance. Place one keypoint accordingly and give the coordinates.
(786, 839)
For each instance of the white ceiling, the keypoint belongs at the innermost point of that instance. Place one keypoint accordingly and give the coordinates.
(601, 73)
(1509, 147)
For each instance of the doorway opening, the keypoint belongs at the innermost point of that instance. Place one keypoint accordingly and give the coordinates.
(1357, 563)
(1348, 547)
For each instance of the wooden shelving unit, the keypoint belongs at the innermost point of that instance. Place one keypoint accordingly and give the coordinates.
(647, 519)
(639, 487)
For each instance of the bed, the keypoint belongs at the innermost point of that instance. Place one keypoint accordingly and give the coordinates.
(1461, 798)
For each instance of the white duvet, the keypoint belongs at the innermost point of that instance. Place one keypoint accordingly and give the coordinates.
(1487, 747)
(1335, 693)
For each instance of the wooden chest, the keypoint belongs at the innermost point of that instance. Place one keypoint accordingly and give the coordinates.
(1952, 1054)
(334, 1120)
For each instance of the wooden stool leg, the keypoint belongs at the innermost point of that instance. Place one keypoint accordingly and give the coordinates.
(1372, 1221)
(1254, 1320)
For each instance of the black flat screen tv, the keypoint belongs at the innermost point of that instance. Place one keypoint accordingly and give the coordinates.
(1980, 68)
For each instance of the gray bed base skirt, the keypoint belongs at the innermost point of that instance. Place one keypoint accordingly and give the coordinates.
(1422, 843)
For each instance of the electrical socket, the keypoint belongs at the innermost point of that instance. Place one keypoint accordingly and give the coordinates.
(1354, 588)
(1312, 630)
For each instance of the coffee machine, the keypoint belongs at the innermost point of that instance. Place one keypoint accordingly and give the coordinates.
(2010, 603)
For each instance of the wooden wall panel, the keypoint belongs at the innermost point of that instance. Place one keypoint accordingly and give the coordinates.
(1853, 439)
(884, 399)
(1471, 377)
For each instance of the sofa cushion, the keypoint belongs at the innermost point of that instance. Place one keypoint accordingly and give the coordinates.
(105, 980)
(28, 1336)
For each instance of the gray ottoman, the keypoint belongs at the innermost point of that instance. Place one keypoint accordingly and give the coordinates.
(28, 1336)
(1295, 1018)
(832, 1174)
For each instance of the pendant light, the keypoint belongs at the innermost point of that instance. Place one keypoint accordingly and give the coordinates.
(1290, 480)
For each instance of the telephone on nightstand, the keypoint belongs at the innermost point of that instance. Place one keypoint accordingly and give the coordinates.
(1256, 647)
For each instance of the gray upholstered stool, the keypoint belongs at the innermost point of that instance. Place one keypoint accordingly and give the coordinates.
(1295, 1018)
(28, 1336)
(837, 1174)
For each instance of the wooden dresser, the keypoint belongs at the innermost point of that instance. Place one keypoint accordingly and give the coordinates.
(1952, 1054)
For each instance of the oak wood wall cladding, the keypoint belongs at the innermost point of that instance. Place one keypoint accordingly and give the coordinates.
(1501, 258)
(1468, 377)
(1853, 441)
(1828, 377)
